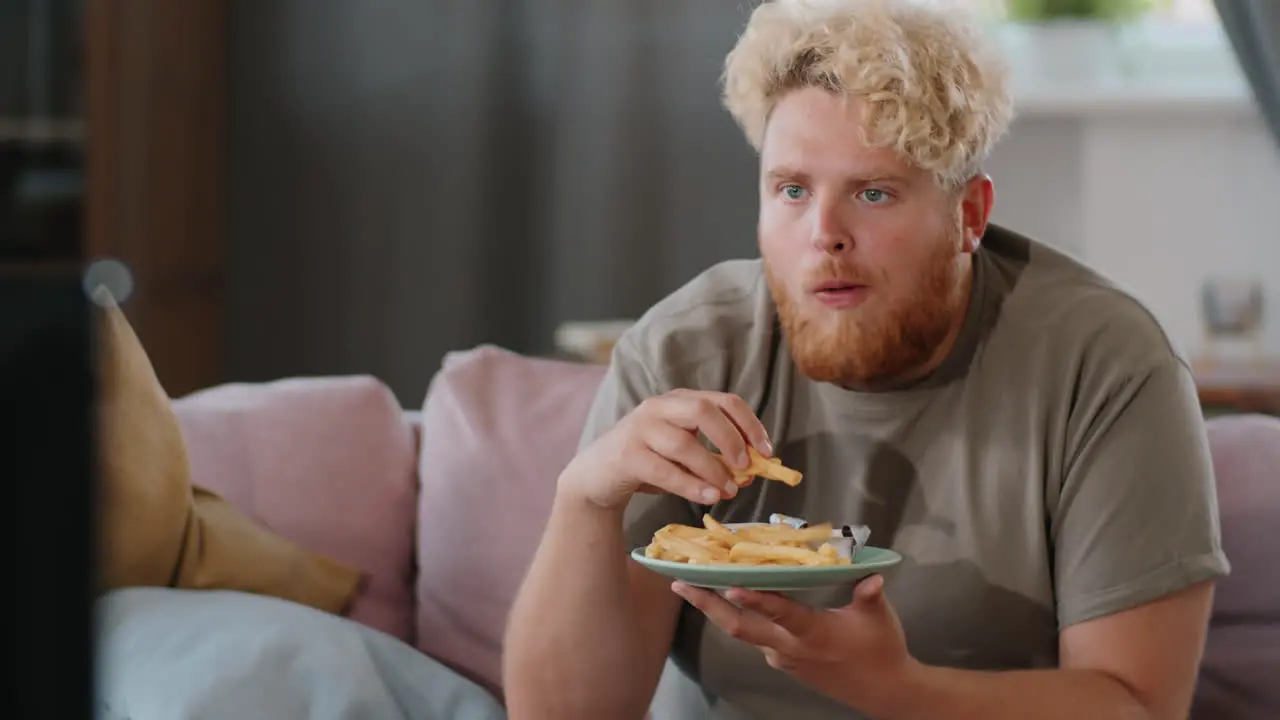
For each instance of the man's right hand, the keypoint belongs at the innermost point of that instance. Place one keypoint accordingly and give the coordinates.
(655, 448)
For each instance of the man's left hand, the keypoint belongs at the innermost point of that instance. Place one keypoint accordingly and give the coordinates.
(856, 654)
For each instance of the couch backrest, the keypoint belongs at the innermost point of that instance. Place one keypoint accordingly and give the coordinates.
(327, 462)
(497, 429)
(1240, 675)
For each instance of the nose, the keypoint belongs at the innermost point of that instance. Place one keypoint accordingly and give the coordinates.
(829, 232)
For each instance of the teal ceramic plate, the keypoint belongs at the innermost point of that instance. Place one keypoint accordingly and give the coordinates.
(866, 561)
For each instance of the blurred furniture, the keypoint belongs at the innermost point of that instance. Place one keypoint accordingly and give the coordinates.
(276, 660)
(1242, 654)
(112, 146)
(1239, 387)
(334, 464)
(589, 340)
(443, 507)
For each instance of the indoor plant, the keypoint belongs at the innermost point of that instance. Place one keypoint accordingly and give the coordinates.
(1096, 11)
(1070, 40)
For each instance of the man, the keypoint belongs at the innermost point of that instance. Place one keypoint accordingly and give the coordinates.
(1019, 429)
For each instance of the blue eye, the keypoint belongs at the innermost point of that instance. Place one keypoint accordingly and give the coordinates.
(793, 192)
(874, 196)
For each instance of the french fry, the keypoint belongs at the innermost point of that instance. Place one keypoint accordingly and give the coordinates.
(785, 534)
(829, 554)
(688, 532)
(775, 553)
(720, 532)
(758, 545)
(674, 547)
(761, 466)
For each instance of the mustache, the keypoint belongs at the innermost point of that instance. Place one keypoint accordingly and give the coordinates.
(831, 271)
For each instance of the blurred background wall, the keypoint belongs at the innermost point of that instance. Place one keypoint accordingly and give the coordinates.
(436, 174)
(305, 187)
(433, 175)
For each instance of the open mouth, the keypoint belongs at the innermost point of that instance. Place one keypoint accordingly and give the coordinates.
(839, 294)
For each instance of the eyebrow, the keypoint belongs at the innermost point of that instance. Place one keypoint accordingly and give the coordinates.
(863, 178)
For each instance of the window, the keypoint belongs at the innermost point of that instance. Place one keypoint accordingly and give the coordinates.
(1190, 11)
(1179, 41)
(1181, 11)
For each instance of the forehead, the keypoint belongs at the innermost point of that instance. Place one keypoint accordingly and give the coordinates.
(817, 132)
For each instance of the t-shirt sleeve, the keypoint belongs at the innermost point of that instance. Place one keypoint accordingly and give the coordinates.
(627, 383)
(1137, 516)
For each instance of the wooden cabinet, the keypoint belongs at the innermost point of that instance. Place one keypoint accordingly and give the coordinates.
(1229, 388)
(147, 124)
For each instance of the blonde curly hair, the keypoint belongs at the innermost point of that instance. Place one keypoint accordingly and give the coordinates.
(935, 89)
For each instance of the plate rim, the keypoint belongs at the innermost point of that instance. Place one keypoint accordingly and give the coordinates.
(895, 558)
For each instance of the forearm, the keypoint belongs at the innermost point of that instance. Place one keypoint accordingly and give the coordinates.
(935, 693)
(569, 650)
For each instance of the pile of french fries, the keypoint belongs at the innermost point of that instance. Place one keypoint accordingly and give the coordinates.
(715, 544)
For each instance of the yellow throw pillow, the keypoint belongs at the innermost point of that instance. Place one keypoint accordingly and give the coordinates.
(155, 527)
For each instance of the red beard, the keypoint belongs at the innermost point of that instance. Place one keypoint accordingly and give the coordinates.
(895, 333)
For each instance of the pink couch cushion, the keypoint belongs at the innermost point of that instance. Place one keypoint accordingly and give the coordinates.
(326, 462)
(1246, 456)
(1242, 653)
(497, 429)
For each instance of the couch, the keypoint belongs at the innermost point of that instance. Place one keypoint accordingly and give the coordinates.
(443, 506)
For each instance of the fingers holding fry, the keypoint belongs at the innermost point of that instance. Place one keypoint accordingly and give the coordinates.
(770, 468)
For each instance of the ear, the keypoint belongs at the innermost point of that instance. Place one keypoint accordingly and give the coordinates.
(976, 199)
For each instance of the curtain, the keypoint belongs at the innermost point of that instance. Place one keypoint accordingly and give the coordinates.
(1254, 29)
(411, 177)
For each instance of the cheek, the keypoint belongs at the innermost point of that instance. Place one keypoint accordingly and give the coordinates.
(907, 278)
(776, 235)
(781, 255)
(897, 255)
(771, 218)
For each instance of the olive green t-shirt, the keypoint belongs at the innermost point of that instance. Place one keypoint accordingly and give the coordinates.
(1053, 469)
